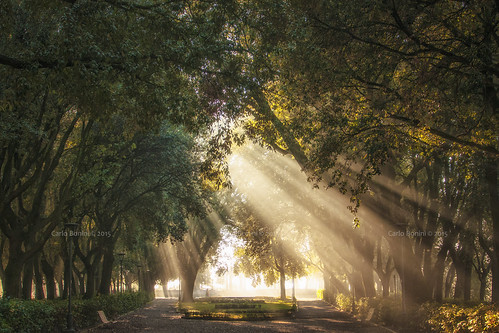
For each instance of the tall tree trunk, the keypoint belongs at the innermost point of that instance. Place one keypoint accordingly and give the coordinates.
(491, 179)
(107, 272)
(27, 288)
(165, 288)
(90, 285)
(451, 274)
(48, 271)
(188, 280)
(459, 288)
(12, 283)
(385, 283)
(438, 271)
(483, 286)
(39, 292)
(328, 294)
(282, 283)
(368, 280)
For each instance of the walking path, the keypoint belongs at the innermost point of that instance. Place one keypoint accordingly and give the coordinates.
(160, 316)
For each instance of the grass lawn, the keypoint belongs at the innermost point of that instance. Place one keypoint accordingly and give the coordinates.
(239, 308)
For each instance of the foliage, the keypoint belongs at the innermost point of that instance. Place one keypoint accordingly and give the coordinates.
(50, 316)
(28, 316)
(237, 308)
(460, 319)
(344, 302)
(428, 317)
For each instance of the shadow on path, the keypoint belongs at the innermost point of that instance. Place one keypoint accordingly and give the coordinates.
(160, 316)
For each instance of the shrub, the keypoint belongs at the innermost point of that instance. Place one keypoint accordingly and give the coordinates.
(50, 316)
(26, 316)
(344, 302)
(320, 293)
(460, 319)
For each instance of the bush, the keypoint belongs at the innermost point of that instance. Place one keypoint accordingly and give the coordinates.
(320, 293)
(50, 316)
(462, 319)
(387, 311)
(344, 302)
(26, 316)
(428, 317)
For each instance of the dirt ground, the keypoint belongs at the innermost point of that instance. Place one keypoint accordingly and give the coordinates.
(160, 316)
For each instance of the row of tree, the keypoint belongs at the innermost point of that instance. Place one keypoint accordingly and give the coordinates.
(95, 102)
(395, 104)
(354, 90)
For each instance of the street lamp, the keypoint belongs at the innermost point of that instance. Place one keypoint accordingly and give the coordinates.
(71, 228)
(121, 255)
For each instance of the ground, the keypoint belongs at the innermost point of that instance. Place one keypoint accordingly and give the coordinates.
(312, 316)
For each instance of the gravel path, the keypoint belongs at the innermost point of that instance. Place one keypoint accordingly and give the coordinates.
(160, 316)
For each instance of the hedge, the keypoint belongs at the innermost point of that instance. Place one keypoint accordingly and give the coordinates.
(50, 315)
(428, 317)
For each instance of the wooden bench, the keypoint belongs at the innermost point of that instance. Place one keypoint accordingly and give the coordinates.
(370, 314)
(103, 317)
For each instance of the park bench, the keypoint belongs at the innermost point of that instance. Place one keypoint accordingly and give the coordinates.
(103, 317)
(370, 314)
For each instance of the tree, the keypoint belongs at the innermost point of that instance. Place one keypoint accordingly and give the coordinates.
(66, 64)
(150, 182)
(351, 94)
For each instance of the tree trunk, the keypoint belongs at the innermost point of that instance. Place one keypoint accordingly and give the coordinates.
(439, 275)
(39, 293)
(188, 280)
(12, 283)
(27, 288)
(107, 272)
(165, 288)
(368, 280)
(328, 294)
(282, 283)
(491, 179)
(385, 283)
(357, 286)
(459, 288)
(468, 267)
(449, 280)
(414, 287)
(483, 287)
(48, 271)
(90, 285)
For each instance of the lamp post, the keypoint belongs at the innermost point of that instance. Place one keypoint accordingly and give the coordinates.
(121, 255)
(70, 229)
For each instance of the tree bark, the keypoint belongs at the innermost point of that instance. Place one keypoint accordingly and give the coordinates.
(165, 288)
(39, 292)
(491, 179)
(449, 280)
(12, 283)
(107, 272)
(438, 271)
(48, 271)
(282, 283)
(188, 280)
(27, 288)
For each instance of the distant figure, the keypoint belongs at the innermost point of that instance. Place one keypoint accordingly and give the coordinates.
(207, 292)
